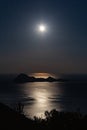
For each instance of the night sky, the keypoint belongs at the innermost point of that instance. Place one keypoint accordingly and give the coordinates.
(61, 49)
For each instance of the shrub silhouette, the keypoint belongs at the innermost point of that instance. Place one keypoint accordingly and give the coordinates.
(62, 120)
(10, 119)
(20, 108)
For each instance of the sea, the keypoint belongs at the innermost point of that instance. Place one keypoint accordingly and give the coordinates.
(38, 97)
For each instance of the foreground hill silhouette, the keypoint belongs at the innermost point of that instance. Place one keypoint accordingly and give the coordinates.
(12, 120)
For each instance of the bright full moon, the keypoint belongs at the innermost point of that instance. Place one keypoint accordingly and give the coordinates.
(42, 28)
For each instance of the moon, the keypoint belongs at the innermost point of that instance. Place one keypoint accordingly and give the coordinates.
(42, 28)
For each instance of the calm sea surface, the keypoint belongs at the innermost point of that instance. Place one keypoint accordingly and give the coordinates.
(38, 97)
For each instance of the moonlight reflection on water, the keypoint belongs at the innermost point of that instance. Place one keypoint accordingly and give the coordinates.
(42, 93)
(38, 97)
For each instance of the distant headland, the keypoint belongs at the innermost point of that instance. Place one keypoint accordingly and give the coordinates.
(23, 78)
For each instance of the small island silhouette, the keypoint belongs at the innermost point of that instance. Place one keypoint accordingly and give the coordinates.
(23, 78)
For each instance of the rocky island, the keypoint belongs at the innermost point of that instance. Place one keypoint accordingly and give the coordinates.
(22, 78)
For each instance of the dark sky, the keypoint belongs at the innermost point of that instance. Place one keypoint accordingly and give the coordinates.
(62, 49)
